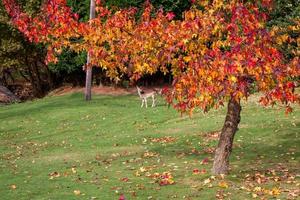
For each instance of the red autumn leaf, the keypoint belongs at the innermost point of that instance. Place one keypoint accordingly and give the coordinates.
(205, 161)
(125, 179)
(196, 171)
(122, 197)
(170, 16)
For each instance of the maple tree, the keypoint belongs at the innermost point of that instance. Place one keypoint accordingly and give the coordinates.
(216, 54)
(22, 61)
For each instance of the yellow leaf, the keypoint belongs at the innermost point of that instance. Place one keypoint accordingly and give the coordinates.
(137, 173)
(74, 170)
(201, 97)
(223, 184)
(171, 181)
(187, 58)
(206, 181)
(257, 189)
(209, 79)
(281, 39)
(13, 187)
(254, 195)
(143, 169)
(285, 37)
(54, 175)
(275, 192)
(233, 79)
(77, 192)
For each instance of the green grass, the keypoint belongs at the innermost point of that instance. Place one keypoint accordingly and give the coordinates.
(105, 140)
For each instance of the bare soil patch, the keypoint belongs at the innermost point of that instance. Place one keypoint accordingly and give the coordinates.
(102, 90)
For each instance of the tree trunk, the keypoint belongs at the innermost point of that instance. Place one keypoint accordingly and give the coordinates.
(49, 76)
(38, 82)
(88, 83)
(89, 71)
(230, 127)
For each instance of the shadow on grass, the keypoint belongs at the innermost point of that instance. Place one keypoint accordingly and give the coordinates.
(248, 157)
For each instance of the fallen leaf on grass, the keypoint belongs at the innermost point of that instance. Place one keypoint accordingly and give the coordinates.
(77, 192)
(293, 194)
(137, 173)
(143, 169)
(125, 179)
(222, 195)
(164, 178)
(149, 154)
(13, 187)
(204, 161)
(209, 150)
(163, 140)
(254, 195)
(275, 191)
(223, 184)
(259, 191)
(206, 181)
(197, 171)
(54, 175)
(275, 175)
(122, 197)
(195, 151)
(74, 170)
(211, 136)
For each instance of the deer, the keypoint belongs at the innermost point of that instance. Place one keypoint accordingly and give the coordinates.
(145, 95)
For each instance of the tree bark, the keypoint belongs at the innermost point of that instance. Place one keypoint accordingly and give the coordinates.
(39, 82)
(49, 75)
(230, 127)
(89, 69)
(88, 82)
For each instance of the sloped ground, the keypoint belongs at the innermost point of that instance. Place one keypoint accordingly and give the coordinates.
(61, 147)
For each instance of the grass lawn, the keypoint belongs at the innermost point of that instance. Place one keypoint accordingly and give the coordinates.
(65, 148)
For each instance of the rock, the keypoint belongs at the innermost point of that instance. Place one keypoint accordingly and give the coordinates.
(6, 96)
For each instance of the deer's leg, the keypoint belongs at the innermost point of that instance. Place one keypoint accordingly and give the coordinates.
(153, 101)
(142, 103)
(146, 103)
